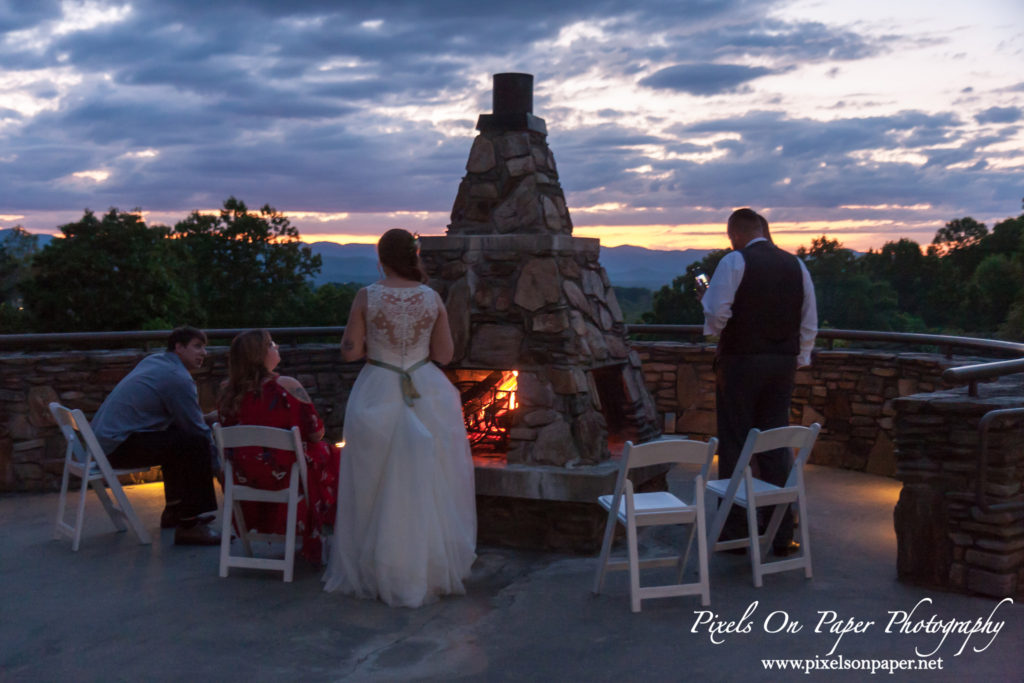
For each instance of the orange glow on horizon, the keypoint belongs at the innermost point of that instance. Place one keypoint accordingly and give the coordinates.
(339, 238)
(859, 235)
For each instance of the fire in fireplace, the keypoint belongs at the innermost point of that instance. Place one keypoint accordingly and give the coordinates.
(489, 404)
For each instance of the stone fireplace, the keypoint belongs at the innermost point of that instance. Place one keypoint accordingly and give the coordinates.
(525, 296)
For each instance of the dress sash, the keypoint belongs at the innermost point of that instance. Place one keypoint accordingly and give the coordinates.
(409, 393)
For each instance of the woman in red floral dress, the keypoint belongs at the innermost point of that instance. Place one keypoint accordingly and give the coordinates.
(255, 395)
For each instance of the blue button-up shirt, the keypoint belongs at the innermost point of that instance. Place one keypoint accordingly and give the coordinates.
(155, 395)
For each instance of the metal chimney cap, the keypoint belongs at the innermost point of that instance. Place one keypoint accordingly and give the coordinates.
(513, 93)
(513, 106)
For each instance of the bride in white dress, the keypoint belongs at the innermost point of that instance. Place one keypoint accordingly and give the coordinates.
(406, 522)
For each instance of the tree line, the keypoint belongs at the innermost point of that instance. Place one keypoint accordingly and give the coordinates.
(243, 268)
(235, 268)
(969, 281)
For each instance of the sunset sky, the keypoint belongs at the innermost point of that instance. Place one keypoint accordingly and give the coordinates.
(866, 121)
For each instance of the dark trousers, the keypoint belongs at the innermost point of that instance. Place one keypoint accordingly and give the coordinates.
(186, 463)
(753, 391)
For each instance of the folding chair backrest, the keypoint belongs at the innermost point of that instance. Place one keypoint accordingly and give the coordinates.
(74, 426)
(256, 435)
(781, 437)
(239, 436)
(798, 438)
(670, 451)
(803, 453)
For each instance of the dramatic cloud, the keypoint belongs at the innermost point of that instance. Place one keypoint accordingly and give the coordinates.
(1000, 115)
(661, 112)
(704, 79)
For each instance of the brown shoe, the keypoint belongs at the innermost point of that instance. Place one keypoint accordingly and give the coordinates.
(200, 534)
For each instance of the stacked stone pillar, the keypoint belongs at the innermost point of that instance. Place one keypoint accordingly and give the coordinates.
(945, 536)
(523, 294)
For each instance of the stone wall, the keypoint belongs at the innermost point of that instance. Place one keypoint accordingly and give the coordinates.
(850, 392)
(31, 447)
(945, 538)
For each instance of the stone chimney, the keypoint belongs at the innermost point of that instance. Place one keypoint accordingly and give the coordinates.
(523, 294)
(511, 184)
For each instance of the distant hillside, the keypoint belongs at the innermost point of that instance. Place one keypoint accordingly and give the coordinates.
(627, 266)
(630, 266)
(41, 240)
(346, 263)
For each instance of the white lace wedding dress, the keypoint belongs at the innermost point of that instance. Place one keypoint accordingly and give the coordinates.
(406, 525)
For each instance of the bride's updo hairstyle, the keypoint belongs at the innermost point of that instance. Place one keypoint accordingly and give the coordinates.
(399, 250)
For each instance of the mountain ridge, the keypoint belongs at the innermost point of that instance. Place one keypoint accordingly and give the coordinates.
(627, 265)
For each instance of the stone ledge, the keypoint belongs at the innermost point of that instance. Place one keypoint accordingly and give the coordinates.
(547, 482)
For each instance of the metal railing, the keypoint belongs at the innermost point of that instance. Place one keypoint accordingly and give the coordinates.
(970, 374)
(967, 374)
(22, 342)
(945, 342)
(980, 496)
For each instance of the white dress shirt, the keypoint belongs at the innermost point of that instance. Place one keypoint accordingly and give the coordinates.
(717, 301)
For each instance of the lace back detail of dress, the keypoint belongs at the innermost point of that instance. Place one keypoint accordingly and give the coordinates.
(399, 321)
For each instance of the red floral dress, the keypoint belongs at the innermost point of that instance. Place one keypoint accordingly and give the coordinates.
(268, 468)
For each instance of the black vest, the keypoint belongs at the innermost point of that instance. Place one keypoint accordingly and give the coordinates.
(766, 310)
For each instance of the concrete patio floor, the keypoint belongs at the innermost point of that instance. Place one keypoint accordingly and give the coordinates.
(118, 610)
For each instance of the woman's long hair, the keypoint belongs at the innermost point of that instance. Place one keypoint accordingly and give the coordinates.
(246, 369)
(399, 250)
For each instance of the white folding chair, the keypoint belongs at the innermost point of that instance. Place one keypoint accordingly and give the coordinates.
(749, 492)
(85, 459)
(656, 509)
(240, 436)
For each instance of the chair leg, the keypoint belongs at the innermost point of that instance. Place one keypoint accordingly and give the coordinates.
(226, 515)
(702, 546)
(755, 542)
(124, 511)
(62, 502)
(702, 564)
(112, 510)
(805, 534)
(76, 539)
(242, 527)
(634, 566)
(684, 557)
(718, 520)
(774, 523)
(293, 518)
(606, 547)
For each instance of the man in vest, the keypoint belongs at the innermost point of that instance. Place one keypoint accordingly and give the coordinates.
(761, 304)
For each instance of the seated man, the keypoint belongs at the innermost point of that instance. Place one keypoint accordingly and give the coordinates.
(152, 417)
